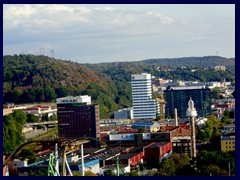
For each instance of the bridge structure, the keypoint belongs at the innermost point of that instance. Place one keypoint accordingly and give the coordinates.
(41, 123)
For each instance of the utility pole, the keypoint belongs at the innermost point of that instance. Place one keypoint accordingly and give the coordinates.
(64, 161)
(82, 159)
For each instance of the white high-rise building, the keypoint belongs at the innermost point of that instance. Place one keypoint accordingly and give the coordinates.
(144, 107)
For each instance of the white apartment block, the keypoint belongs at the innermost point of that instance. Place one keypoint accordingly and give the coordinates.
(144, 107)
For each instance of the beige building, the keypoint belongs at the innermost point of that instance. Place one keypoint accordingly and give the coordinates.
(227, 143)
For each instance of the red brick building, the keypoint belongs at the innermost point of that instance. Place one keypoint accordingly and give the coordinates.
(156, 152)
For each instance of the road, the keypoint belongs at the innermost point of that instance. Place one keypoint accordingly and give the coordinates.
(33, 134)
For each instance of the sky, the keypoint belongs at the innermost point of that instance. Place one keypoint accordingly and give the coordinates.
(88, 33)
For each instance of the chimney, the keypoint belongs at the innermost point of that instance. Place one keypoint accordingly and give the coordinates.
(175, 116)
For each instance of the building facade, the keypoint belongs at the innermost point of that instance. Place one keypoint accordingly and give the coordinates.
(144, 107)
(177, 97)
(156, 152)
(124, 114)
(77, 117)
(227, 143)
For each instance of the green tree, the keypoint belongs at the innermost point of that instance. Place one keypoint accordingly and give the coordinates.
(28, 154)
(226, 114)
(215, 140)
(201, 134)
(214, 170)
(45, 117)
(39, 172)
(215, 93)
(30, 95)
(62, 92)
(210, 124)
(17, 93)
(12, 132)
(206, 161)
(224, 119)
(167, 168)
(40, 96)
(53, 117)
(32, 118)
(19, 116)
(86, 173)
(150, 173)
(208, 128)
(110, 172)
(180, 161)
(182, 164)
(133, 173)
(50, 94)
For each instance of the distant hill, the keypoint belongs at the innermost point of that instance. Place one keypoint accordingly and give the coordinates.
(205, 61)
(30, 78)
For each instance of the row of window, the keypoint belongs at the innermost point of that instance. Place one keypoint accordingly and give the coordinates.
(230, 147)
(230, 142)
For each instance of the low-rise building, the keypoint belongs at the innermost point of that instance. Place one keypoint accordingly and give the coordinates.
(147, 126)
(219, 68)
(227, 143)
(156, 152)
(126, 113)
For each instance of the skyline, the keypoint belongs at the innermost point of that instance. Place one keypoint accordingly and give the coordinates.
(117, 32)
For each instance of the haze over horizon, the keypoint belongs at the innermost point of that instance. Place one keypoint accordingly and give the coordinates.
(88, 33)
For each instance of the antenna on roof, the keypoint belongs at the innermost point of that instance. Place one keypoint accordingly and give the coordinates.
(52, 53)
(41, 51)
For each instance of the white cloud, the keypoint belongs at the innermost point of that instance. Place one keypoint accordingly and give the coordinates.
(105, 28)
(11, 12)
(196, 38)
(156, 14)
(105, 9)
(167, 20)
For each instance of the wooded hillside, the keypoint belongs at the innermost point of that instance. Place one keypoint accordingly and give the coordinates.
(30, 78)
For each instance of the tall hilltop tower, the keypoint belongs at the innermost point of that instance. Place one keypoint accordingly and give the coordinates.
(192, 113)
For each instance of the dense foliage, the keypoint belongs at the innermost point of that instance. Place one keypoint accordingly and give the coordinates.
(29, 78)
(214, 163)
(205, 61)
(12, 131)
(28, 154)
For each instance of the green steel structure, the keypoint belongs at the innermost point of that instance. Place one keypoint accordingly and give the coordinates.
(52, 170)
(60, 146)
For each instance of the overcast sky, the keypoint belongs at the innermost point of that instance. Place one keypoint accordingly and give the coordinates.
(112, 32)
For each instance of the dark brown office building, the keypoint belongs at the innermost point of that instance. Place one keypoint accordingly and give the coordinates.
(77, 119)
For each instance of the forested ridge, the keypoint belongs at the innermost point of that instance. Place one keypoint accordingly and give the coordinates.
(30, 78)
